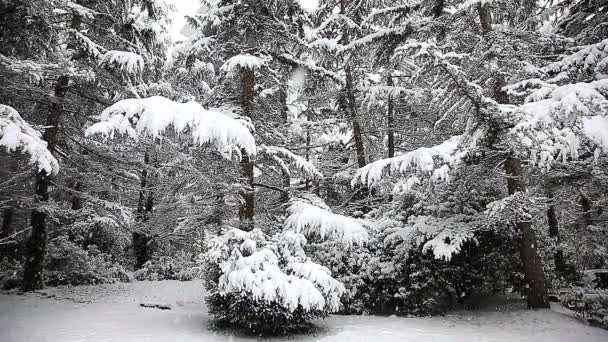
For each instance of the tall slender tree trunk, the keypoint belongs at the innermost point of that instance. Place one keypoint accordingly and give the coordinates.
(390, 120)
(285, 176)
(485, 17)
(35, 247)
(140, 240)
(351, 103)
(553, 222)
(7, 222)
(247, 205)
(352, 109)
(533, 266)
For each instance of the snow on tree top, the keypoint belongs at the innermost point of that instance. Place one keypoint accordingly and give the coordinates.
(154, 115)
(564, 121)
(243, 61)
(15, 134)
(125, 61)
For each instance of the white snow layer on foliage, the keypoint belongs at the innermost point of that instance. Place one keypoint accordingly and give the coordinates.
(278, 153)
(311, 220)
(243, 61)
(422, 160)
(154, 115)
(593, 57)
(559, 122)
(128, 62)
(16, 134)
(443, 236)
(249, 264)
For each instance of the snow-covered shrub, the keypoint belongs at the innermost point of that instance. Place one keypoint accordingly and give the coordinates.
(352, 265)
(590, 303)
(10, 273)
(267, 285)
(68, 264)
(180, 266)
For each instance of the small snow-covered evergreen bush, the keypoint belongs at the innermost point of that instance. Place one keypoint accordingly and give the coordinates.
(267, 285)
(10, 273)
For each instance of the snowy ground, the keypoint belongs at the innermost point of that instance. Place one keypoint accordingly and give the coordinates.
(112, 313)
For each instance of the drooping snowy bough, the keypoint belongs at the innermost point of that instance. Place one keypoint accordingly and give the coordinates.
(315, 221)
(155, 115)
(562, 122)
(16, 134)
(435, 161)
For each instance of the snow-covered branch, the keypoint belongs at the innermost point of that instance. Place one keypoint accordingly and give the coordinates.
(154, 115)
(315, 221)
(435, 161)
(16, 134)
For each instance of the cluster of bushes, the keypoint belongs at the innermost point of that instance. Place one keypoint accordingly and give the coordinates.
(409, 281)
(591, 300)
(181, 266)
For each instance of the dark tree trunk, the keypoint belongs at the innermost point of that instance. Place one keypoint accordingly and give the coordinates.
(141, 247)
(351, 103)
(586, 209)
(247, 205)
(7, 222)
(560, 264)
(438, 8)
(352, 109)
(533, 266)
(141, 241)
(76, 199)
(35, 246)
(286, 178)
(485, 17)
(390, 121)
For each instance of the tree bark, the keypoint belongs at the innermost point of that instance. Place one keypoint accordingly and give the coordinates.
(533, 266)
(35, 246)
(485, 17)
(352, 109)
(140, 240)
(560, 264)
(390, 121)
(351, 103)
(7, 222)
(247, 205)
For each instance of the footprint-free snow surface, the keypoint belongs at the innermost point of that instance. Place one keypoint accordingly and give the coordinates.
(114, 313)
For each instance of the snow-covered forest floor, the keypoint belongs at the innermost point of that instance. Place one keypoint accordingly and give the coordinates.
(113, 313)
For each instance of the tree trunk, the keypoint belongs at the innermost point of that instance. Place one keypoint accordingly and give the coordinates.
(35, 246)
(247, 205)
(560, 264)
(390, 121)
(533, 266)
(586, 209)
(352, 108)
(351, 103)
(76, 199)
(140, 241)
(485, 17)
(7, 222)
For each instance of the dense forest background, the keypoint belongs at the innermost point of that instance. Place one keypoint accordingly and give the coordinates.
(370, 156)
